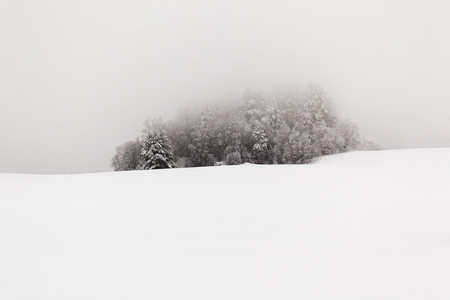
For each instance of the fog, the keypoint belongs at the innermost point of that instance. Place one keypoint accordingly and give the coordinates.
(78, 78)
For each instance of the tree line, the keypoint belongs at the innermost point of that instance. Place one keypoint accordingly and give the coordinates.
(290, 127)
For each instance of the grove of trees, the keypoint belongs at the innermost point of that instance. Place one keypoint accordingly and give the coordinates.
(287, 128)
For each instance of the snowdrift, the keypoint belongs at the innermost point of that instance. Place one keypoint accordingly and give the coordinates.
(360, 225)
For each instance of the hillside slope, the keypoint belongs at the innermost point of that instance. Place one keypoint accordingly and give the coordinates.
(361, 225)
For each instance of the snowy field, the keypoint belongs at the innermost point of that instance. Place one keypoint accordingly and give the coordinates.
(360, 225)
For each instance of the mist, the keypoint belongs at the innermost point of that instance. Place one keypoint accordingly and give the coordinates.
(78, 78)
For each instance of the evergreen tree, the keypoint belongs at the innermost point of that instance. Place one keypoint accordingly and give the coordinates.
(157, 152)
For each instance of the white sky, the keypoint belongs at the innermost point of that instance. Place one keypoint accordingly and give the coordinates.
(78, 78)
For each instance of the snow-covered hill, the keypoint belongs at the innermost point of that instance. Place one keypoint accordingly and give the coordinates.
(361, 225)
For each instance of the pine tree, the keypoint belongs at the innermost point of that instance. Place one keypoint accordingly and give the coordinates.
(157, 152)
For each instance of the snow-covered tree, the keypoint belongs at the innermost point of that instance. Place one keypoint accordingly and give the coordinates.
(253, 105)
(315, 108)
(350, 134)
(325, 140)
(288, 127)
(368, 145)
(260, 151)
(302, 149)
(157, 152)
(262, 120)
(287, 103)
(181, 132)
(231, 136)
(233, 158)
(128, 156)
(200, 148)
(282, 147)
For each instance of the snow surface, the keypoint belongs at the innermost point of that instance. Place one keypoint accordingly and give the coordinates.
(360, 225)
